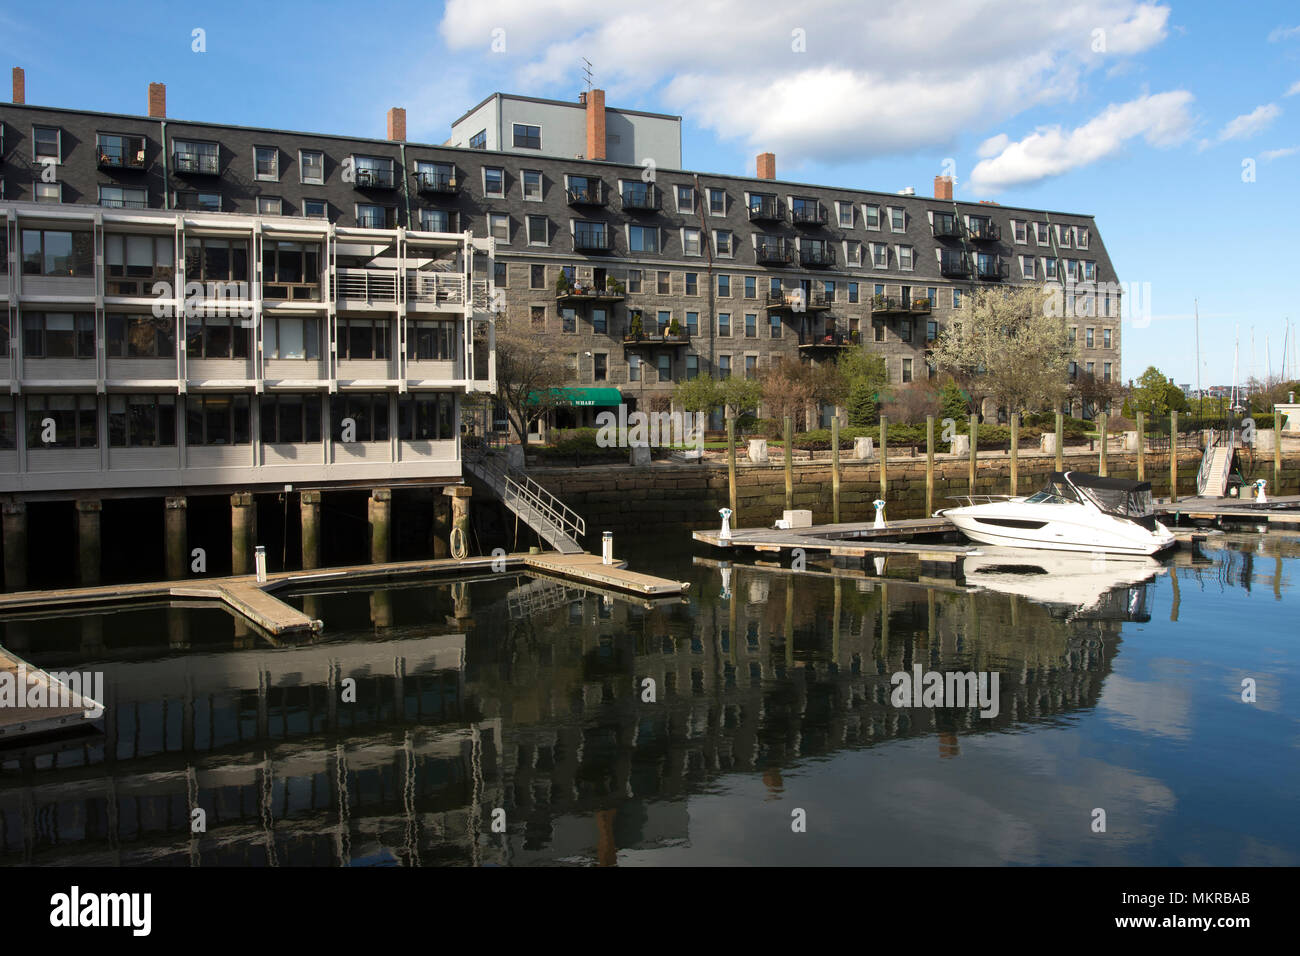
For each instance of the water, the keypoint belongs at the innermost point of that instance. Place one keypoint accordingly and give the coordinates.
(525, 696)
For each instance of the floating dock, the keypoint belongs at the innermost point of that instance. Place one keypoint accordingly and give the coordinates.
(1282, 511)
(62, 707)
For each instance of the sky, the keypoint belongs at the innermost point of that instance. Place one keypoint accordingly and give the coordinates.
(1173, 123)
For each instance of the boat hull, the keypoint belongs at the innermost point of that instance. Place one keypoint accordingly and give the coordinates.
(1018, 525)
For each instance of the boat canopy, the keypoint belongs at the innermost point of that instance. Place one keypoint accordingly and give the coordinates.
(1115, 496)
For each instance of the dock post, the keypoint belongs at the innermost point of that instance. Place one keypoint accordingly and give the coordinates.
(1060, 442)
(884, 458)
(1142, 446)
(789, 463)
(835, 470)
(442, 526)
(1101, 463)
(1173, 456)
(731, 468)
(175, 541)
(243, 531)
(460, 495)
(974, 440)
(1015, 452)
(381, 516)
(309, 508)
(1277, 451)
(929, 465)
(15, 532)
(88, 541)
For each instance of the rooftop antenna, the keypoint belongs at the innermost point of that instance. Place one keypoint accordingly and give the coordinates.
(586, 72)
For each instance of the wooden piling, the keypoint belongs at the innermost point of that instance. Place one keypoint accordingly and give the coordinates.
(1142, 446)
(884, 457)
(974, 444)
(731, 469)
(1015, 452)
(1101, 463)
(929, 465)
(1173, 456)
(1060, 442)
(835, 469)
(789, 464)
(1277, 451)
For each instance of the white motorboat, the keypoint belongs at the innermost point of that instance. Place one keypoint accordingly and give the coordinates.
(1076, 511)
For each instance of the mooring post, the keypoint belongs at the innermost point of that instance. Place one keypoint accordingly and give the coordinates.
(835, 469)
(884, 457)
(974, 439)
(15, 534)
(1101, 464)
(929, 465)
(1060, 441)
(789, 463)
(309, 507)
(243, 531)
(731, 468)
(88, 541)
(175, 541)
(1142, 446)
(1277, 451)
(1015, 452)
(381, 514)
(1173, 456)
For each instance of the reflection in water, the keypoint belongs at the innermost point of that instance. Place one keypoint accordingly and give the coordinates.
(612, 730)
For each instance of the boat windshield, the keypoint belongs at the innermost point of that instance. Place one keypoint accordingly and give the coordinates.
(1119, 501)
(1056, 493)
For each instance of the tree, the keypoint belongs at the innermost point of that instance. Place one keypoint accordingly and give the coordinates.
(862, 404)
(740, 396)
(1008, 346)
(1156, 394)
(912, 403)
(529, 373)
(787, 390)
(952, 403)
(698, 394)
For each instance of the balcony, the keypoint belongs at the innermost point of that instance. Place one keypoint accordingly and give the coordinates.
(990, 268)
(920, 306)
(796, 300)
(984, 230)
(375, 220)
(592, 241)
(578, 292)
(954, 264)
(370, 178)
(589, 195)
(817, 257)
(766, 209)
(889, 305)
(644, 340)
(135, 285)
(431, 291)
(809, 342)
(437, 184)
(947, 227)
(355, 288)
(119, 156)
(641, 200)
(773, 252)
(808, 214)
(197, 164)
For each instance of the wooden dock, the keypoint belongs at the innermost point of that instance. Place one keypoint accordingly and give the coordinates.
(1236, 510)
(18, 718)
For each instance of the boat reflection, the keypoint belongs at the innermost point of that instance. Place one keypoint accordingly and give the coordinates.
(1073, 585)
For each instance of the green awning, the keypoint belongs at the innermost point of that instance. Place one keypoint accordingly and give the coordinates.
(583, 397)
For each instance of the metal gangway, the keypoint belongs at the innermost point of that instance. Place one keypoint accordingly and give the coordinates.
(1217, 462)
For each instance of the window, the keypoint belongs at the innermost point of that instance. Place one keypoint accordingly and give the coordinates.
(269, 206)
(368, 411)
(872, 216)
(634, 280)
(1105, 371)
(751, 325)
(373, 216)
(140, 336)
(538, 231)
(499, 226)
(724, 325)
(190, 156)
(500, 275)
(47, 144)
(1064, 234)
(853, 292)
(427, 416)
(1050, 268)
(931, 330)
(311, 166)
(291, 419)
(315, 209)
(216, 419)
(956, 298)
(634, 368)
(692, 283)
(853, 253)
(692, 367)
(216, 260)
(59, 335)
(528, 137)
(1042, 233)
(1026, 267)
(360, 338)
(123, 197)
(1084, 236)
(538, 313)
(691, 242)
(266, 163)
(1105, 338)
(437, 220)
(433, 340)
(1074, 334)
(48, 192)
(120, 152)
(880, 255)
(724, 366)
(717, 202)
(828, 289)
(494, 182)
(374, 172)
(685, 198)
(290, 270)
(141, 421)
(1092, 368)
(585, 189)
(532, 184)
(642, 239)
(724, 287)
(844, 213)
(904, 258)
(722, 243)
(1019, 230)
(665, 368)
(1072, 268)
(568, 320)
(1089, 270)
(692, 324)
(52, 252)
(478, 140)
(536, 277)
(665, 319)
(907, 370)
(75, 419)
(905, 327)
(663, 283)
(1087, 338)
(198, 201)
(131, 262)
(774, 326)
(599, 321)
(878, 329)
(289, 338)
(897, 219)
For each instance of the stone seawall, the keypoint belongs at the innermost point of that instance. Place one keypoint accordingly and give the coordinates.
(622, 498)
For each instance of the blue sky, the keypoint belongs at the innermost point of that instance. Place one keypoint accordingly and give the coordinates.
(1139, 113)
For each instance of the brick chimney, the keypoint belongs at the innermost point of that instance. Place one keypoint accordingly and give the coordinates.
(397, 124)
(943, 187)
(157, 100)
(596, 124)
(767, 165)
(20, 86)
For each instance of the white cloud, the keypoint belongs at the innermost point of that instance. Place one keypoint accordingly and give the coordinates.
(1162, 119)
(1245, 125)
(1293, 90)
(1271, 154)
(1283, 33)
(877, 77)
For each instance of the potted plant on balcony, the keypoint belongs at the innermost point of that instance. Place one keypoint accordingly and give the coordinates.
(878, 300)
(562, 283)
(674, 329)
(613, 286)
(635, 329)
